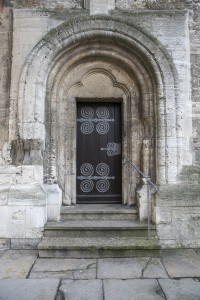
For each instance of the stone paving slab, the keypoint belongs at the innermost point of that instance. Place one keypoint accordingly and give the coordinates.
(28, 289)
(56, 264)
(82, 289)
(155, 269)
(17, 263)
(76, 274)
(123, 268)
(181, 263)
(131, 289)
(183, 289)
(64, 268)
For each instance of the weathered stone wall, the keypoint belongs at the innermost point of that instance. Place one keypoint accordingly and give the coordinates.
(177, 207)
(100, 7)
(155, 4)
(23, 197)
(5, 69)
(174, 25)
(195, 78)
(59, 4)
(193, 7)
(177, 211)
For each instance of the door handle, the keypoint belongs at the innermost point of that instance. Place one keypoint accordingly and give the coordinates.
(112, 149)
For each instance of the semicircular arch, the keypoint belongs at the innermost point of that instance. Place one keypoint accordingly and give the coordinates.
(151, 56)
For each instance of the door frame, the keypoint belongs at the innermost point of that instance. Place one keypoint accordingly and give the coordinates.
(103, 100)
(137, 130)
(130, 179)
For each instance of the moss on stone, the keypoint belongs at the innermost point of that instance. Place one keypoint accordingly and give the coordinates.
(188, 170)
(190, 174)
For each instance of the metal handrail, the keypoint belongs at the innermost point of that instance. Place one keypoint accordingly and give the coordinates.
(149, 182)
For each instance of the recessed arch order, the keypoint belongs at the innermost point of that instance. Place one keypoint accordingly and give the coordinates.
(130, 49)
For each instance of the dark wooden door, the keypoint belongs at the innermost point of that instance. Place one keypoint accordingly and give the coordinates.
(99, 174)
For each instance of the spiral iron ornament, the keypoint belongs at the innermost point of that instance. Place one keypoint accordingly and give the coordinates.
(102, 169)
(102, 127)
(102, 185)
(87, 127)
(87, 169)
(87, 112)
(102, 112)
(87, 186)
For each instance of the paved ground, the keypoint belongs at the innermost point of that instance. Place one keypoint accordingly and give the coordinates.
(174, 276)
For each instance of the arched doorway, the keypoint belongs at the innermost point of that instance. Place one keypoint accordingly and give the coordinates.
(101, 59)
(98, 72)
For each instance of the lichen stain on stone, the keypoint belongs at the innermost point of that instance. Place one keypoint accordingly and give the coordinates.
(48, 3)
(61, 13)
(18, 215)
(27, 152)
(153, 4)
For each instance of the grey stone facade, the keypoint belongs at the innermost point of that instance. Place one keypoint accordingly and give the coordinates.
(145, 52)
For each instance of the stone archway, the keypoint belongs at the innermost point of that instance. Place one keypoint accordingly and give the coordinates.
(99, 70)
(153, 82)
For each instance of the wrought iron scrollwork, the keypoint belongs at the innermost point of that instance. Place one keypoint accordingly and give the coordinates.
(87, 119)
(87, 178)
(112, 149)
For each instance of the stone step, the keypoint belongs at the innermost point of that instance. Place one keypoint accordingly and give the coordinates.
(99, 212)
(68, 247)
(98, 228)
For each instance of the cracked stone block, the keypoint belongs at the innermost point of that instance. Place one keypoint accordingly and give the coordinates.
(64, 268)
(31, 289)
(181, 262)
(155, 269)
(17, 264)
(82, 289)
(123, 268)
(184, 289)
(132, 289)
(85, 274)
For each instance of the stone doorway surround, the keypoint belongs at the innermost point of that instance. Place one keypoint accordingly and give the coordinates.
(101, 57)
(94, 73)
